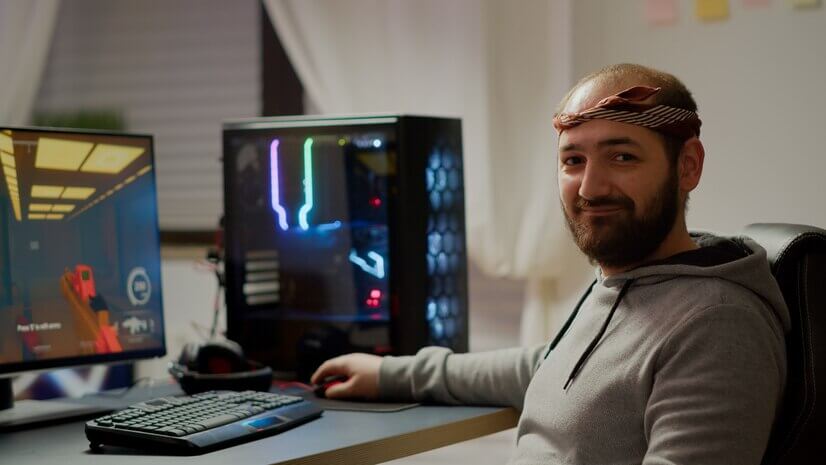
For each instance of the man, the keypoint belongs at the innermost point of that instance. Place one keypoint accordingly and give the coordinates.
(675, 355)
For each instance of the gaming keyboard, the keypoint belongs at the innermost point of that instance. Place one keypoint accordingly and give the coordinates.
(201, 422)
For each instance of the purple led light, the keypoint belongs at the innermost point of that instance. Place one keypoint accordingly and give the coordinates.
(274, 183)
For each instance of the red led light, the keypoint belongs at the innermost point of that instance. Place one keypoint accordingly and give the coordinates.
(375, 202)
(375, 294)
(374, 303)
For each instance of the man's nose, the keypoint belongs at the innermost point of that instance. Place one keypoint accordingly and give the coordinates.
(595, 183)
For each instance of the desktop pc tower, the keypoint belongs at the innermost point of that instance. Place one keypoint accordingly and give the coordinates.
(344, 235)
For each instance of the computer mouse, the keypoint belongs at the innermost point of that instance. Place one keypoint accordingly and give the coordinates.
(328, 382)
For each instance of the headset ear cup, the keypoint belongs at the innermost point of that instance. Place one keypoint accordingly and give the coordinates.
(194, 370)
(189, 355)
(230, 345)
(220, 357)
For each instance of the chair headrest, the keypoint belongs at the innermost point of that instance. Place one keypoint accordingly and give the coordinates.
(785, 243)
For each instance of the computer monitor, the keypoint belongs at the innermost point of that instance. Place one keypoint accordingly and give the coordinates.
(80, 278)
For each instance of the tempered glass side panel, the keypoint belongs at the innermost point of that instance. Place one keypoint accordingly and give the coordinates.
(308, 240)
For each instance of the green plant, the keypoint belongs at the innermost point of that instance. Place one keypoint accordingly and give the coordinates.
(81, 119)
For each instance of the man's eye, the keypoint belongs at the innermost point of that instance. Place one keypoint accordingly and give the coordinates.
(624, 157)
(570, 161)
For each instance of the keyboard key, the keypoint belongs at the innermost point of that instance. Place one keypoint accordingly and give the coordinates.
(218, 421)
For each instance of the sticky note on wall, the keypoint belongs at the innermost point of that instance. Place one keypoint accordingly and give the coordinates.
(805, 3)
(661, 12)
(711, 10)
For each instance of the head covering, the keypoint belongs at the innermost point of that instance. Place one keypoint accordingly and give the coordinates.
(632, 106)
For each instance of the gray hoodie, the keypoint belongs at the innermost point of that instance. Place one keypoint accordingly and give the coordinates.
(690, 367)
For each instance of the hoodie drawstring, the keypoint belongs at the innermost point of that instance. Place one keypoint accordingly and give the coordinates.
(569, 321)
(599, 335)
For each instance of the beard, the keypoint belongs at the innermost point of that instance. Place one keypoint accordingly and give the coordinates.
(625, 238)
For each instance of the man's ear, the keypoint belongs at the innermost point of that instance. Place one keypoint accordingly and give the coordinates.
(690, 167)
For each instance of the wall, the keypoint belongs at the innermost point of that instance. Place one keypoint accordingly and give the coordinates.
(176, 69)
(188, 299)
(758, 79)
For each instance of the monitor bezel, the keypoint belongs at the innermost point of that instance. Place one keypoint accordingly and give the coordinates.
(8, 369)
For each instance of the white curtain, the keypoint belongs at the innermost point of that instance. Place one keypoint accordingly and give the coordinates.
(26, 28)
(500, 66)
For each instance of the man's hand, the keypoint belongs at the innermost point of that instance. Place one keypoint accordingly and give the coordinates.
(362, 371)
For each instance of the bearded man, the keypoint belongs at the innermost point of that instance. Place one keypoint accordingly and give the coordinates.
(674, 355)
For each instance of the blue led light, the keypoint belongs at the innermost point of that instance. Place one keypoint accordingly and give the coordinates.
(434, 242)
(441, 263)
(441, 179)
(376, 270)
(379, 263)
(431, 310)
(376, 143)
(435, 200)
(444, 307)
(436, 328)
(329, 226)
(435, 160)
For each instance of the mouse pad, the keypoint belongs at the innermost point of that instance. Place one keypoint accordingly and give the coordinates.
(356, 406)
(347, 405)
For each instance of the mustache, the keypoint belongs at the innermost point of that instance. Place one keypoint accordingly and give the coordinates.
(605, 201)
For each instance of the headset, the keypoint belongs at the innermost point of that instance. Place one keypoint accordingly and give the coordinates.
(218, 365)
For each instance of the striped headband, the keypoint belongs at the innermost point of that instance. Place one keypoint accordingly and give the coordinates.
(629, 106)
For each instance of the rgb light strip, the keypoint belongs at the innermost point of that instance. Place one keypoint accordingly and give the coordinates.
(308, 185)
(275, 191)
(275, 188)
(377, 270)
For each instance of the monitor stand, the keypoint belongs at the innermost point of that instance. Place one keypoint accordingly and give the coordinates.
(25, 413)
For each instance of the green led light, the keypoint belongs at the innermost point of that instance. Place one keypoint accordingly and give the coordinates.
(308, 185)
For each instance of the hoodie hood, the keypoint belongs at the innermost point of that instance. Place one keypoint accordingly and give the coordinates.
(737, 259)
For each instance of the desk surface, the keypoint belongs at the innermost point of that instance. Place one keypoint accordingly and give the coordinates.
(337, 437)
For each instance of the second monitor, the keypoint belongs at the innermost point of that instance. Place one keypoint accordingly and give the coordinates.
(344, 234)
(80, 272)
